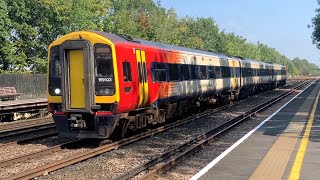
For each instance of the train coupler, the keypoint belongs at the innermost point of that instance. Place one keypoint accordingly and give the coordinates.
(76, 123)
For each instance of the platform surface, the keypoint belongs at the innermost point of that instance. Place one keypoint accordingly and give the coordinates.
(22, 102)
(286, 146)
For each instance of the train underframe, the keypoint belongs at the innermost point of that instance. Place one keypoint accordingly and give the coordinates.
(106, 126)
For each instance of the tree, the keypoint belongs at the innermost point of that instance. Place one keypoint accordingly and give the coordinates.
(316, 26)
(36, 23)
(6, 47)
(27, 27)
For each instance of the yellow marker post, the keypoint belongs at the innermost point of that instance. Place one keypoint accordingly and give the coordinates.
(296, 168)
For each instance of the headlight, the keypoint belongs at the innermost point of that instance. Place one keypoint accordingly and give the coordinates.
(57, 91)
(104, 91)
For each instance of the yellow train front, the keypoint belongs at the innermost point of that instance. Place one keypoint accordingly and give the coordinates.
(82, 82)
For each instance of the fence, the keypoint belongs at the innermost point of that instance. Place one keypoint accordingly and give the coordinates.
(30, 85)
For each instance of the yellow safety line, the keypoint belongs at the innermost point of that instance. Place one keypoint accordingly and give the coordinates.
(296, 168)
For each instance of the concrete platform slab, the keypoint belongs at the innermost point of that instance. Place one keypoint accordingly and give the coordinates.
(275, 147)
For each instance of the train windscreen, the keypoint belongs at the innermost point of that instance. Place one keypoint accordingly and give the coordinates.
(104, 77)
(55, 71)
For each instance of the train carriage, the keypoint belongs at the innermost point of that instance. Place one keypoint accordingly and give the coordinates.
(256, 76)
(279, 74)
(100, 83)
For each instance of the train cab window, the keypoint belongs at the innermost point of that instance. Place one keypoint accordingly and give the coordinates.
(225, 72)
(194, 72)
(55, 62)
(203, 72)
(185, 72)
(126, 66)
(103, 61)
(173, 72)
(211, 72)
(55, 70)
(217, 72)
(159, 72)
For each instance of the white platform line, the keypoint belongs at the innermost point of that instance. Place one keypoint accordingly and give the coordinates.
(226, 152)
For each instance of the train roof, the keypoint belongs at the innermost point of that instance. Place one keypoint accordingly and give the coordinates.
(255, 61)
(127, 39)
(115, 38)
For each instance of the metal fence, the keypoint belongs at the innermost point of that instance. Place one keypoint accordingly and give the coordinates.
(30, 85)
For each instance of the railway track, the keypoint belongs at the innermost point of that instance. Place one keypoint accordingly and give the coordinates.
(26, 140)
(174, 156)
(105, 148)
(43, 152)
(25, 126)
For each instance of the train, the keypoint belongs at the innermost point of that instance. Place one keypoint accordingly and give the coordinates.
(102, 85)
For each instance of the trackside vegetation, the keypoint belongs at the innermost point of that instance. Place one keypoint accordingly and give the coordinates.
(27, 27)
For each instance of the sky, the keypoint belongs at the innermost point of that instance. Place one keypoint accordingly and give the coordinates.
(281, 24)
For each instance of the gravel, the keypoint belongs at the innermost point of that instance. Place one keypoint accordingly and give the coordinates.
(20, 167)
(16, 150)
(28, 135)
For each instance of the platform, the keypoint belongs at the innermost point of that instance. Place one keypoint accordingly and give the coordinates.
(22, 105)
(284, 146)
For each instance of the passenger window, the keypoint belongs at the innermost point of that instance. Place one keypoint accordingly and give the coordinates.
(159, 72)
(211, 72)
(173, 72)
(249, 72)
(185, 72)
(194, 72)
(217, 72)
(203, 72)
(237, 72)
(244, 72)
(225, 72)
(126, 66)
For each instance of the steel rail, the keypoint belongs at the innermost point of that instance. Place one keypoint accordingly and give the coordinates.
(36, 154)
(28, 131)
(23, 141)
(25, 124)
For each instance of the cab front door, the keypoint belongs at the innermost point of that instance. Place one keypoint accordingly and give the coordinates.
(77, 85)
(76, 73)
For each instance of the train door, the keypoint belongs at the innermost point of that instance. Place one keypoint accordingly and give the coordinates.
(76, 84)
(77, 89)
(128, 84)
(234, 75)
(142, 77)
